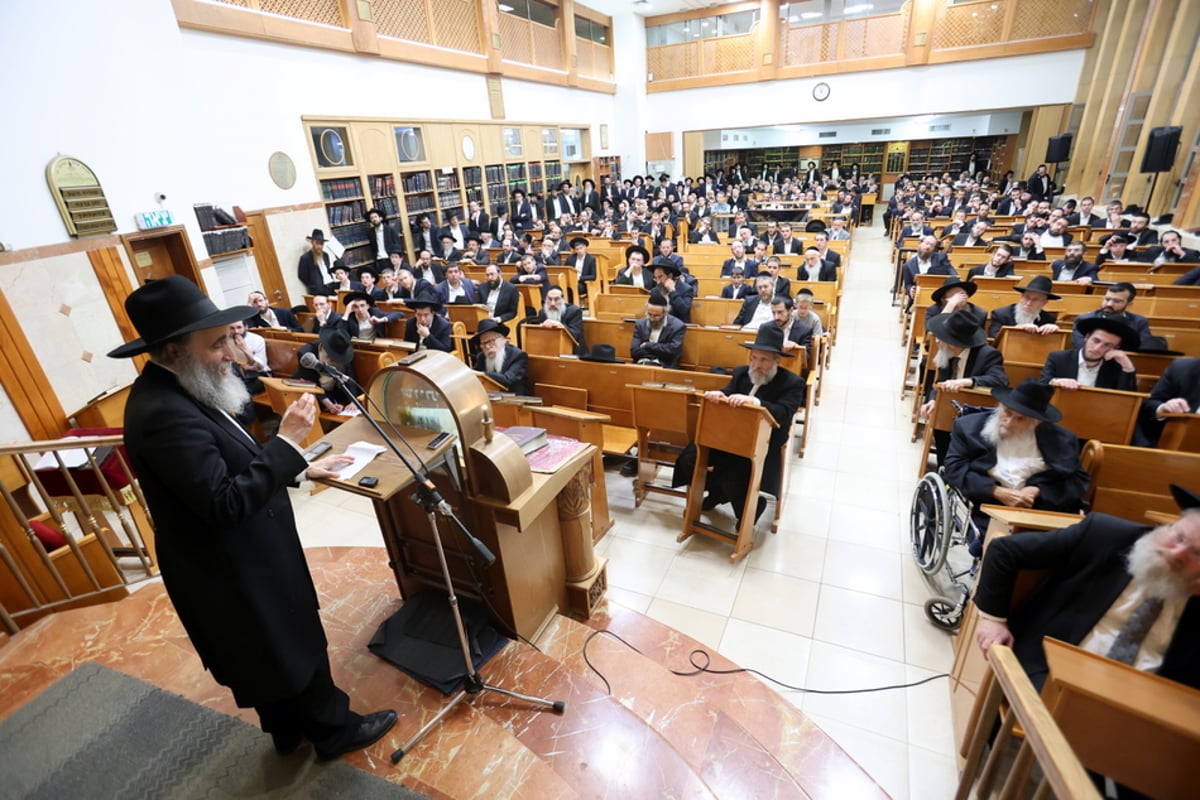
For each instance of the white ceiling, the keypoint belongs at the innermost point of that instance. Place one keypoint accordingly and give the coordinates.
(615, 8)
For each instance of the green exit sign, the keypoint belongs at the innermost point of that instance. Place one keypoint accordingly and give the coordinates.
(154, 219)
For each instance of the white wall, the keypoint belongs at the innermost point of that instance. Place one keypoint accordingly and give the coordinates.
(1019, 82)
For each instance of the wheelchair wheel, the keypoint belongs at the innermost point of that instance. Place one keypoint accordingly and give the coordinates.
(943, 612)
(929, 523)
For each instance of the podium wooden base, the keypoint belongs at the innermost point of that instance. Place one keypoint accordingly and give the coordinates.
(583, 596)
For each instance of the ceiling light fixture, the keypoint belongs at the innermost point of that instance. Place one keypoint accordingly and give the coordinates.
(858, 8)
(505, 8)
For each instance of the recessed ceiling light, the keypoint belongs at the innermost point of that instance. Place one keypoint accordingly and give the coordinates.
(857, 8)
(811, 15)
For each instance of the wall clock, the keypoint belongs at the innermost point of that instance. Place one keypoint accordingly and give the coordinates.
(821, 92)
(282, 169)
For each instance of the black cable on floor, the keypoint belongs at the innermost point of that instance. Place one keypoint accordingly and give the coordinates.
(701, 668)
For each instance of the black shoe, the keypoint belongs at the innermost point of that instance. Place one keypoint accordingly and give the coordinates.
(287, 743)
(630, 468)
(370, 730)
(762, 506)
(711, 501)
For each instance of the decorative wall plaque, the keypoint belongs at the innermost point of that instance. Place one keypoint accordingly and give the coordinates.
(79, 197)
(282, 169)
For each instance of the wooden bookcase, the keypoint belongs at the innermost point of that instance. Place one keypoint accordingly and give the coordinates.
(345, 207)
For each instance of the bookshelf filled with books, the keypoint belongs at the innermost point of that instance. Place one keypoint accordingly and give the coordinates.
(537, 184)
(345, 207)
(473, 184)
(497, 186)
(449, 193)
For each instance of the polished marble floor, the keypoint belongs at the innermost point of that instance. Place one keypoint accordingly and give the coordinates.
(832, 601)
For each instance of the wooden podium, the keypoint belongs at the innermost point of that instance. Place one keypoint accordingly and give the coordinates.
(470, 315)
(742, 431)
(539, 341)
(538, 525)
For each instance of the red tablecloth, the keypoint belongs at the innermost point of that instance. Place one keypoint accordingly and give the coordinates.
(56, 485)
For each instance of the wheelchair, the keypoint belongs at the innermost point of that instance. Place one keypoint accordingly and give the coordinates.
(939, 520)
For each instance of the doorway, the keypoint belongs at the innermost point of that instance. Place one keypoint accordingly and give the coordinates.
(161, 252)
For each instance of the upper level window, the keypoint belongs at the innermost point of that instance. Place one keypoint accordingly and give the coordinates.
(815, 12)
(705, 28)
(593, 31)
(532, 10)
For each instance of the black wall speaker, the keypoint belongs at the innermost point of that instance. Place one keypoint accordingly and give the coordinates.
(1160, 149)
(1059, 148)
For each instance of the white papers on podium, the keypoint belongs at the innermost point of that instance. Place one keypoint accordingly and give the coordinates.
(364, 453)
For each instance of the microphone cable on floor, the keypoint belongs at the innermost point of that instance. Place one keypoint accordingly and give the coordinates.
(702, 668)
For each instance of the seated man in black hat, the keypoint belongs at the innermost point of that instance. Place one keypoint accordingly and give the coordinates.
(1176, 392)
(764, 382)
(952, 295)
(448, 251)
(230, 554)
(501, 361)
(637, 270)
(475, 252)
(335, 348)
(1115, 305)
(341, 280)
(368, 277)
(426, 329)
(1118, 588)
(1016, 455)
(1102, 361)
(501, 297)
(658, 336)
(267, 317)
(1029, 313)
(558, 313)
(584, 264)
(314, 266)
(926, 261)
(674, 290)
(363, 320)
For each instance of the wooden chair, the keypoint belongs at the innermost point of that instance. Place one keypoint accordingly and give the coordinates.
(1024, 347)
(1181, 432)
(1129, 481)
(1062, 772)
(665, 421)
(943, 416)
(469, 315)
(742, 431)
(539, 341)
(1105, 415)
(282, 393)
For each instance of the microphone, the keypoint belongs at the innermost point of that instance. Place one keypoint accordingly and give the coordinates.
(310, 361)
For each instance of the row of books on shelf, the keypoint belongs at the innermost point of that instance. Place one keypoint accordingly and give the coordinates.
(473, 175)
(383, 186)
(554, 172)
(448, 199)
(419, 203)
(495, 173)
(345, 213)
(417, 182)
(341, 189)
(474, 195)
(449, 181)
(226, 240)
(388, 206)
(353, 235)
(210, 216)
(515, 172)
(535, 171)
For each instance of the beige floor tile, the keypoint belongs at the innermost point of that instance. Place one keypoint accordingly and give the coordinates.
(863, 569)
(925, 644)
(865, 526)
(930, 725)
(788, 552)
(703, 626)
(832, 668)
(860, 621)
(777, 601)
(931, 776)
(782, 656)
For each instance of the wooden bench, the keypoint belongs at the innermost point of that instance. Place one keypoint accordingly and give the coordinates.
(1129, 481)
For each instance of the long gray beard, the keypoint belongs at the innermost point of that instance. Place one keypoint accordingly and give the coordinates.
(763, 380)
(1024, 317)
(1150, 569)
(941, 359)
(209, 387)
(554, 316)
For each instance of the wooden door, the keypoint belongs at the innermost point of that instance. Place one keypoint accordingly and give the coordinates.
(268, 262)
(158, 253)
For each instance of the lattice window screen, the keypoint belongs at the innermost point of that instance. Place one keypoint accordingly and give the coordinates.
(326, 12)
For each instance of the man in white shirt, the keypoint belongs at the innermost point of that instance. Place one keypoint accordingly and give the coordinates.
(756, 310)
(249, 348)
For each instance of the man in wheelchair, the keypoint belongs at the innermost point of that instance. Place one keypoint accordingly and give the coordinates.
(1016, 456)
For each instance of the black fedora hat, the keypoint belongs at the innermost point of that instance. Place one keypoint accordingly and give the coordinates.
(769, 338)
(960, 329)
(352, 296)
(1129, 337)
(490, 326)
(578, 240)
(1156, 345)
(173, 306)
(318, 235)
(954, 282)
(337, 344)
(668, 266)
(637, 248)
(604, 353)
(446, 234)
(1032, 398)
(1039, 283)
(425, 298)
(1184, 498)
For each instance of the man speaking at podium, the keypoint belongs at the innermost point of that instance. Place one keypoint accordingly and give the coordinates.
(227, 542)
(780, 392)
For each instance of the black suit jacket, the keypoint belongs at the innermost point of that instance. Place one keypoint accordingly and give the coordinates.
(1181, 378)
(1153, 252)
(284, 316)
(508, 300)
(332, 322)
(1065, 364)
(792, 247)
(961, 241)
(1061, 485)
(731, 292)
(514, 370)
(1140, 325)
(827, 272)
(746, 312)
(939, 265)
(1191, 278)
(392, 243)
(782, 397)
(1005, 271)
(227, 542)
(1085, 270)
(572, 320)
(480, 223)
(680, 299)
(312, 275)
(984, 364)
(588, 273)
(1092, 220)
(1087, 563)
(667, 349)
(1007, 315)
(439, 334)
(625, 279)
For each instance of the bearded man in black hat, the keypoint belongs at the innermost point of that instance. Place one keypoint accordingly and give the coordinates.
(427, 329)
(1030, 311)
(228, 547)
(556, 312)
(1101, 362)
(674, 290)
(963, 359)
(763, 382)
(1016, 455)
(501, 361)
(314, 267)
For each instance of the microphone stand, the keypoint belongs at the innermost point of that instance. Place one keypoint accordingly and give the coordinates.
(431, 502)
